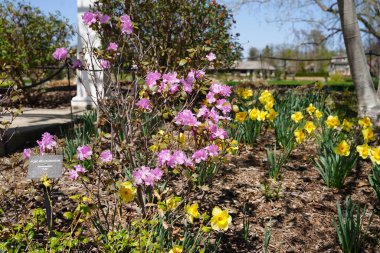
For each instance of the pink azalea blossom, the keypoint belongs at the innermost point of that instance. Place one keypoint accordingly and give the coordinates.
(218, 133)
(147, 176)
(106, 156)
(163, 157)
(173, 89)
(84, 152)
(170, 78)
(224, 106)
(223, 90)
(105, 64)
(27, 153)
(60, 54)
(186, 118)
(80, 169)
(152, 78)
(77, 64)
(203, 112)
(178, 158)
(214, 115)
(211, 56)
(199, 156)
(112, 47)
(157, 173)
(126, 25)
(73, 174)
(199, 74)
(47, 142)
(89, 18)
(213, 150)
(144, 104)
(210, 97)
(103, 18)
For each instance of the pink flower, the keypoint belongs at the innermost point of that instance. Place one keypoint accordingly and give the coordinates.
(144, 104)
(163, 157)
(105, 64)
(60, 54)
(106, 156)
(223, 90)
(203, 112)
(146, 175)
(47, 142)
(187, 86)
(214, 115)
(112, 47)
(27, 153)
(224, 106)
(212, 150)
(173, 89)
(73, 174)
(103, 18)
(80, 169)
(178, 158)
(210, 97)
(211, 56)
(199, 156)
(157, 173)
(186, 118)
(218, 133)
(170, 78)
(84, 152)
(89, 18)
(199, 74)
(152, 78)
(77, 64)
(126, 25)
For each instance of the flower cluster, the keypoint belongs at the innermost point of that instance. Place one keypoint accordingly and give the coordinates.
(146, 175)
(90, 18)
(47, 142)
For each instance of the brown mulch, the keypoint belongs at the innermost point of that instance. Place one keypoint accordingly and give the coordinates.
(301, 219)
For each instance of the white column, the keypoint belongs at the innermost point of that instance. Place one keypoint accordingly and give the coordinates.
(88, 81)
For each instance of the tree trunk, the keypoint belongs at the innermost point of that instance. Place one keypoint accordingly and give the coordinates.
(368, 102)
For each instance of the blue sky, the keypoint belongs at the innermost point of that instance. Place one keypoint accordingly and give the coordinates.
(250, 23)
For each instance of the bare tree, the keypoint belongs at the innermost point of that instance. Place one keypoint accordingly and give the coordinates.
(368, 102)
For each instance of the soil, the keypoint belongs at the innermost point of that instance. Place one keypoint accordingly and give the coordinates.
(301, 218)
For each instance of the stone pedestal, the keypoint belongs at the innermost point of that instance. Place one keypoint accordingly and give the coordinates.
(89, 82)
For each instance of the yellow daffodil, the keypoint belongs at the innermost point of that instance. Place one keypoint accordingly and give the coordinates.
(343, 149)
(300, 135)
(234, 145)
(181, 138)
(269, 103)
(318, 114)
(254, 114)
(368, 135)
(309, 127)
(246, 93)
(375, 155)
(262, 115)
(363, 150)
(127, 192)
(332, 121)
(220, 219)
(347, 125)
(365, 122)
(272, 114)
(265, 95)
(176, 249)
(192, 212)
(241, 116)
(297, 117)
(310, 109)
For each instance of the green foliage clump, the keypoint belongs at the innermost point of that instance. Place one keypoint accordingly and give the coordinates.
(28, 39)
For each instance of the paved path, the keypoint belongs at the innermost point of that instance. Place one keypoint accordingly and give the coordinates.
(28, 127)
